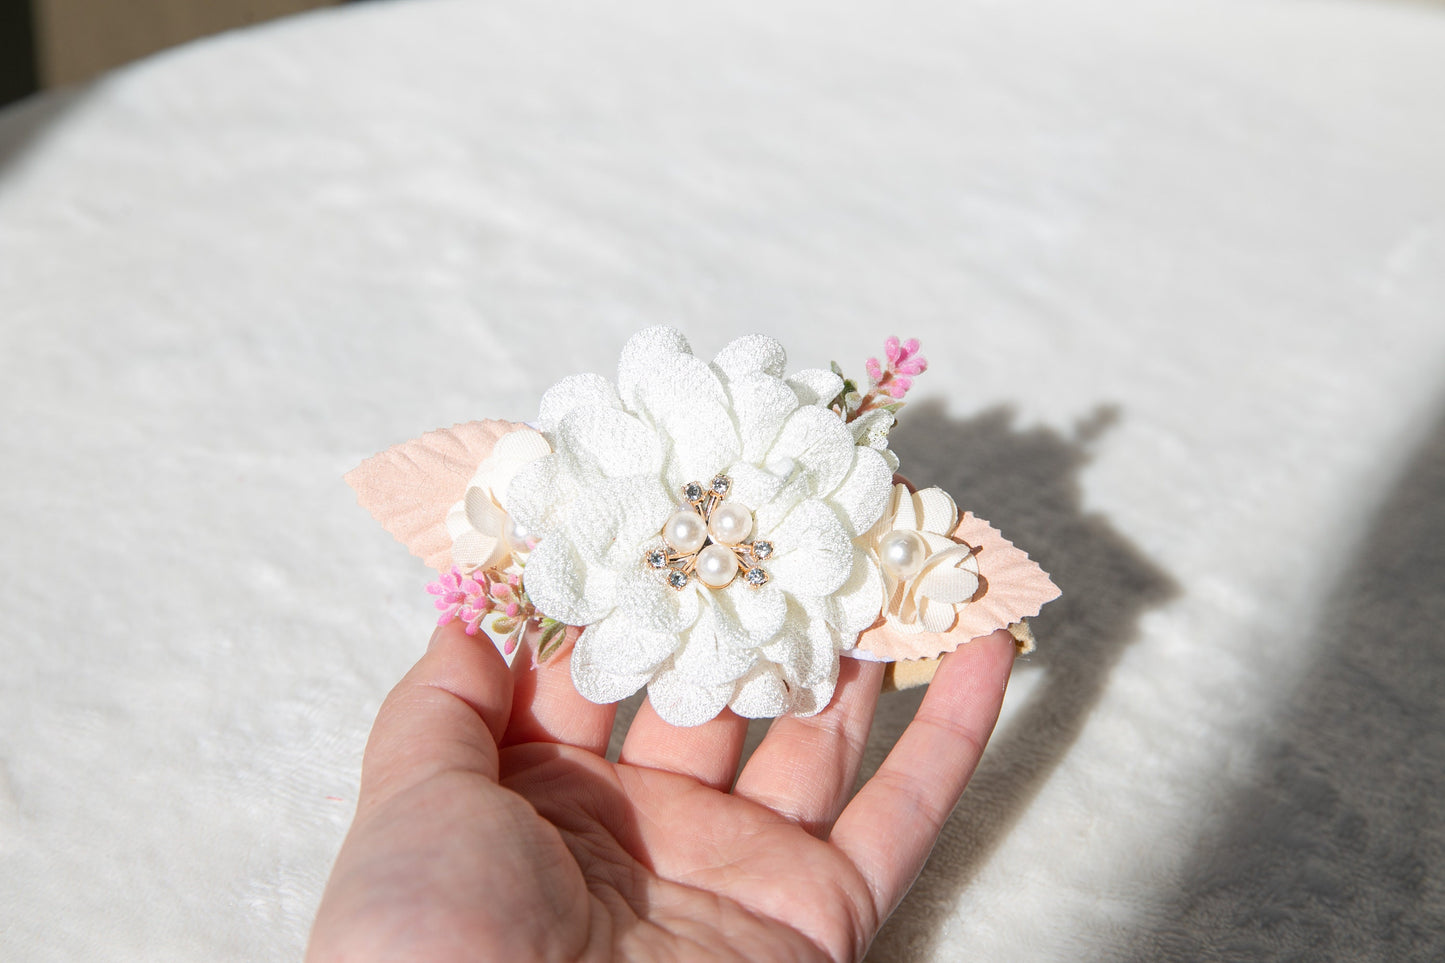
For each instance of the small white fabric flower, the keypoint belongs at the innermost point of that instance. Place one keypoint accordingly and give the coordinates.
(598, 504)
(483, 534)
(927, 576)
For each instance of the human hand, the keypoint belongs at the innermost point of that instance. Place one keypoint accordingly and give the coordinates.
(490, 825)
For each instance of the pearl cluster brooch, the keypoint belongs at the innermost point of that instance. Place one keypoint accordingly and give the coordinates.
(709, 540)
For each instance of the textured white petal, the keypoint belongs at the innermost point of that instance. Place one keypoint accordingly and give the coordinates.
(595, 683)
(814, 386)
(871, 429)
(936, 511)
(789, 649)
(857, 605)
(864, 492)
(608, 442)
(705, 443)
(539, 494)
(650, 603)
(565, 587)
(641, 356)
(612, 521)
(572, 392)
(824, 644)
(619, 647)
(758, 612)
(761, 694)
(814, 553)
(819, 443)
(761, 403)
(750, 354)
(753, 487)
(683, 703)
(715, 651)
(812, 699)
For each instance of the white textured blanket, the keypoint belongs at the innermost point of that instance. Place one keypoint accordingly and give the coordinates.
(1180, 273)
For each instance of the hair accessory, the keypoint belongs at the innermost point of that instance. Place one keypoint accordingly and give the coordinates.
(721, 533)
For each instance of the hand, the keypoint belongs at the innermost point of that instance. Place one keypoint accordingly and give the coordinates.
(490, 826)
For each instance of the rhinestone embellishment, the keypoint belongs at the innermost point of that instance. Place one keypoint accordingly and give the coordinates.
(712, 550)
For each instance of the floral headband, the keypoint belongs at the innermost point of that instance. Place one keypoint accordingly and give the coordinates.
(720, 532)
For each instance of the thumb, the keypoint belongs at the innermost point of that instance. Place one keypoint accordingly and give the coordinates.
(447, 713)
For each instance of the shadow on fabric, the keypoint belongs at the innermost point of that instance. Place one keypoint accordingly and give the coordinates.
(1026, 483)
(1335, 846)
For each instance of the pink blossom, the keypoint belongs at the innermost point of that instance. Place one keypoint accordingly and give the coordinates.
(904, 364)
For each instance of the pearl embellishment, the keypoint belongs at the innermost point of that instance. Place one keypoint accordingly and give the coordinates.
(729, 524)
(517, 536)
(685, 531)
(903, 553)
(709, 540)
(716, 566)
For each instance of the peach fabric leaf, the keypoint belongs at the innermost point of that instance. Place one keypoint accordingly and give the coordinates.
(1014, 588)
(410, 487)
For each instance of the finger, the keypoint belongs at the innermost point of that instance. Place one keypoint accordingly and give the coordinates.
(708, 753)
(805, 767)
(546, 706)
(890, 827)
(448, 712)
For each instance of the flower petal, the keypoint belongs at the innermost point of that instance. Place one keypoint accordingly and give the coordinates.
(761, 404)
(761, 694)
(608, 442)
(619, 647)
(820, 445)
(472, 550)
(715, 651)
(683, 703)
(857, 605)
(936, 616)
(565, 587)
(949, 579)
(753, 487)
(539, 493)
(595, 683)
(814, 554)
(750, 354)
(757, 612)
(864, 492)
(648, 602)
(482, 514)
(612, 521)
(815, 386)
(641, 356)
(573, 392)
(936, 511)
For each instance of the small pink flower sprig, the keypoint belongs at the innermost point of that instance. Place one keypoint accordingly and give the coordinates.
(472, 597)
(887, 385)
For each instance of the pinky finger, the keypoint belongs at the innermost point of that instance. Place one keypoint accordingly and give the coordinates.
(890, 827)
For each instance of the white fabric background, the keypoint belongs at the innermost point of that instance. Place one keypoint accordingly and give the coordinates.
(1180, 272)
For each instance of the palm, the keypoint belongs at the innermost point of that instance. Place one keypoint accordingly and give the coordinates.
(543, 848)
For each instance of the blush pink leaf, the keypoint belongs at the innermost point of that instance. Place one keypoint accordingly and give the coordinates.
(409, 488)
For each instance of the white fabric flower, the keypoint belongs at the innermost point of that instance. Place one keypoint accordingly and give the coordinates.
(598, 503)
(483, 536)
(927, 576)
